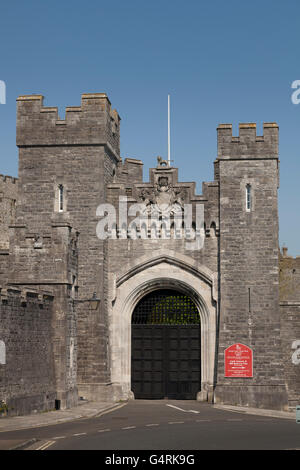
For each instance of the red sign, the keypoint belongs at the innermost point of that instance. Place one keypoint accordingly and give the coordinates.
(238, 361)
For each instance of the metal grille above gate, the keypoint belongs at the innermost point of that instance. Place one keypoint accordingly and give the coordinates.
(165, 353)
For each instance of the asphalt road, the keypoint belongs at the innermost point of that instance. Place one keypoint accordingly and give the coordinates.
(166, 425)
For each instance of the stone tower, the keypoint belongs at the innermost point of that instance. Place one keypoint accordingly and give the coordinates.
(248, 175)
(64, 167)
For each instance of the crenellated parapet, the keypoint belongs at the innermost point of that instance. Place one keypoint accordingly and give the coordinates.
(43, 258)
(289, 277)
(163, 193)
(248, 144)
(39, 296)
(130, 171)
(92, 123)
(8, 180)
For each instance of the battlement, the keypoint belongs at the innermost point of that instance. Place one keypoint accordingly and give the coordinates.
(284, 255)
(130, 171)
(43, 258)
(8, 200)
(289, 276)
(92, 123)
(8, 179)
(248, 144)
(8, 188)
(42, 297)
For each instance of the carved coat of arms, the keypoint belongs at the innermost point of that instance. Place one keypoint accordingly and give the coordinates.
(163, 198)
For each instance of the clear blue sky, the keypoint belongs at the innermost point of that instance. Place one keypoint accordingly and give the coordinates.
(221, 61)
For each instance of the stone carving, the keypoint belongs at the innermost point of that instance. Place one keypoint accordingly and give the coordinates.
(163, 198)
(38, 242)
(296, 354)
(162, 162)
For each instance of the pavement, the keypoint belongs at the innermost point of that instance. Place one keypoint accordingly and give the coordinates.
(258, 411)
(90, 410)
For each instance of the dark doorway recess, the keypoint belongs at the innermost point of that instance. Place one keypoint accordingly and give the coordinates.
(165, 347)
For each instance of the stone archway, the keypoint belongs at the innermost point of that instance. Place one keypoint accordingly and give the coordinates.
(161, 273)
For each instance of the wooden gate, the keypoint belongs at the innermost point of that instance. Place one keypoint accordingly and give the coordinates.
(166, 350)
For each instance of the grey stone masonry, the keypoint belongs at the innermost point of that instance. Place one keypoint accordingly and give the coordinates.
(248, 145)
(68, 294)
(249, 297)
(79, 156)
(92, 123)
(133, 260)
(290, 323)
(27, 378)
(8, 200)
(49, 261)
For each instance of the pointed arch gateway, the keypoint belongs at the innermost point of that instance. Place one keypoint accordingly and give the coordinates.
(167, 279)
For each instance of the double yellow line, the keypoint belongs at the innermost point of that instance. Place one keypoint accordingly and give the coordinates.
(45, 445)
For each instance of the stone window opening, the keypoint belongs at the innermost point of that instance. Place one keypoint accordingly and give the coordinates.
(74, 289)
(2, 353)
(60, 198)
(213, 230)
(248, 198)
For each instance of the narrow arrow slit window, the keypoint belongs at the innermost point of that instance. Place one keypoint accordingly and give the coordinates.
(60, 198)
(248, 197)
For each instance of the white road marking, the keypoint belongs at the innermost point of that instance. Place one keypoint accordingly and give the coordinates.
(59, 437)
(200, 420)
(130, 427)
(185, 411)
(176, 422)
(80, 434)
(104, 430)
(154, 424)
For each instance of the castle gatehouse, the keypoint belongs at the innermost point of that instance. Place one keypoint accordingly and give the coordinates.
(117, 288)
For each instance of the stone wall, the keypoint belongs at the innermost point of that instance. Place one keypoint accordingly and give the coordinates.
(49, 261)
(27, 379)
(124, 250)
(289, 277)
(289, 289)
(8, 200)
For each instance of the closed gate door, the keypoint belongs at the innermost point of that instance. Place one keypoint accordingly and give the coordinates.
(165, 353)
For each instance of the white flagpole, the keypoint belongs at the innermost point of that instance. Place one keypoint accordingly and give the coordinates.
(169, 140)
